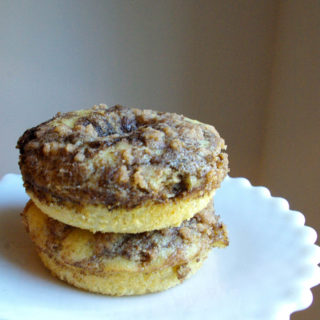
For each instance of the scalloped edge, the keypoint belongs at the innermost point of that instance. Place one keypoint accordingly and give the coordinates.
(9, 177)
(303, 298)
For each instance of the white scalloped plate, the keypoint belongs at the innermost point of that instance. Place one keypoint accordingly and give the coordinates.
(265, 273)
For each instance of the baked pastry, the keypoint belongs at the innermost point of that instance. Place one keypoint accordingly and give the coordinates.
(120, 169)
(124, 264)
(122, 198)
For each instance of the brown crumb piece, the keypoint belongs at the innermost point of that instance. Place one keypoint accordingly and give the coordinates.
(183, 271)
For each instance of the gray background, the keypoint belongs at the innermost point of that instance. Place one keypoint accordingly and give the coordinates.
(250, 68)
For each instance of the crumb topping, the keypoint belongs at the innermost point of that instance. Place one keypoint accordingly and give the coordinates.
(203, 231)
(120, 157)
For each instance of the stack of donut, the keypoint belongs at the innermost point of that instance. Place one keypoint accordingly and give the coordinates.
(122, 198)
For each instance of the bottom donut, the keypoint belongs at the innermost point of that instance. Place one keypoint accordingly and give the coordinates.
(123, 283)
(122, 263)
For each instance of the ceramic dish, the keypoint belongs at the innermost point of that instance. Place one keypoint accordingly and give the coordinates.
(266, 273)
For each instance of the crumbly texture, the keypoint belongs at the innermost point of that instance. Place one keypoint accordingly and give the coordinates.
(120, 158)
(101, 253)
(123, 283)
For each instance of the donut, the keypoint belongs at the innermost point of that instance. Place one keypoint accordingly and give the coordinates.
(122, 170)
(123, 263)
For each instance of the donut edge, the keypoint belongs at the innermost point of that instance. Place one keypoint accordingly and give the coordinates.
(148, 217)
(123, 283)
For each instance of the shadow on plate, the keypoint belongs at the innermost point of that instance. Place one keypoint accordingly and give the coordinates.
(16, 247)
(18, 250)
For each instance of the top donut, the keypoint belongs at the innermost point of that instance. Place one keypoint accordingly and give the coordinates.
(120, 158)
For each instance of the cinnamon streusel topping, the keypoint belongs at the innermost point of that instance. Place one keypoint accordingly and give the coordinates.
(120, 157)
(92, 251)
